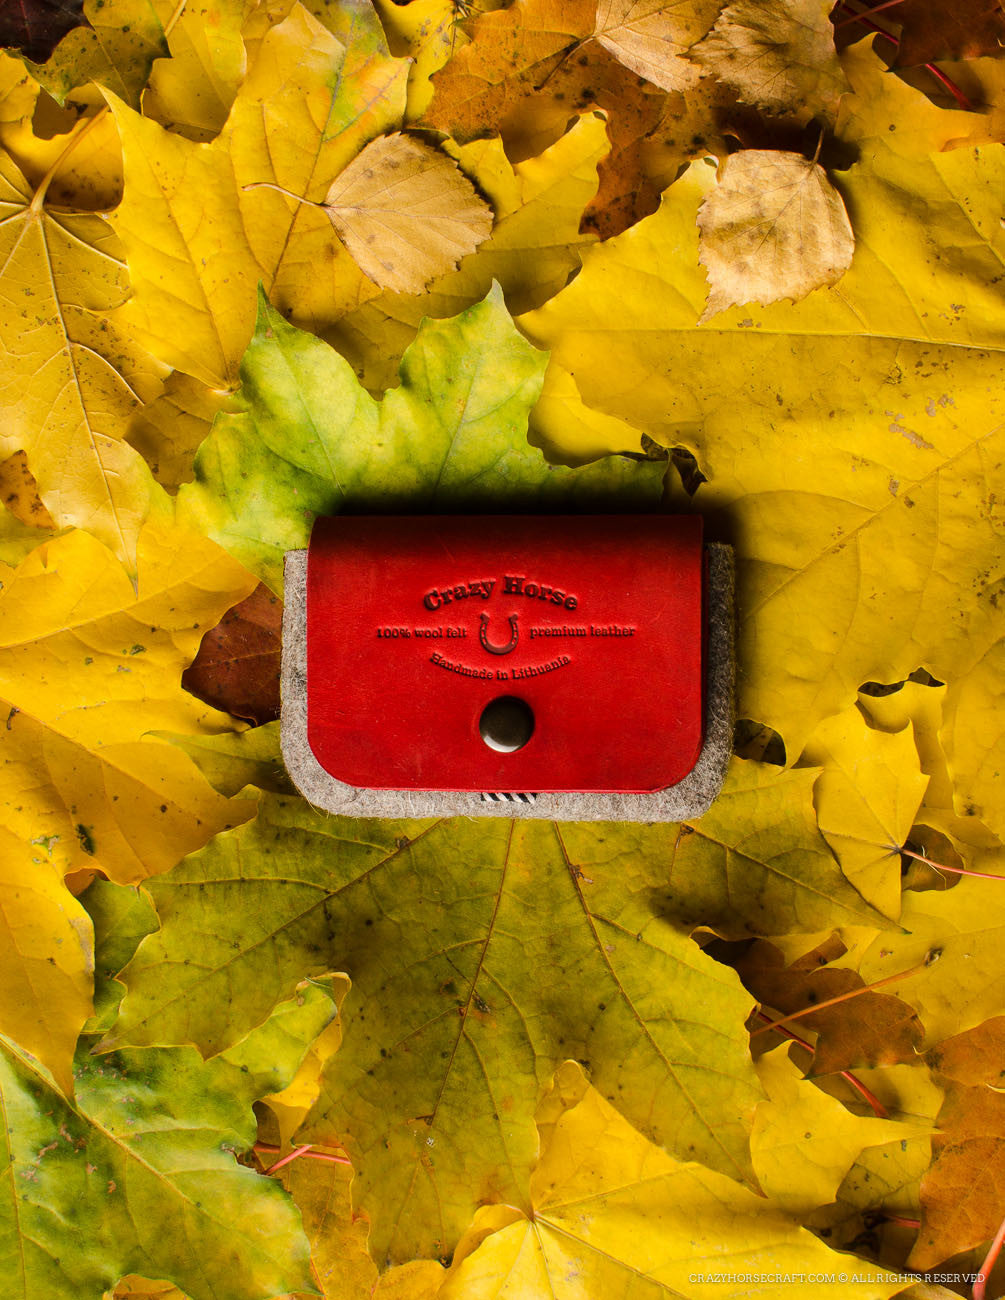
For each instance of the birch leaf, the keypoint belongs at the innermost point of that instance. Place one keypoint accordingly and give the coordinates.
(406, 212)
(778, 55)
(534, 246)
(648, 36)
(773, 228)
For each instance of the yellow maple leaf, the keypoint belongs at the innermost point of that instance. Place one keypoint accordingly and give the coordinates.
(803, 1142)
(88, 666)
(46, 956)
(200, 229)
(71, 381)
(851, 479)
(921, 707)
(866, 797)
(613, 1215)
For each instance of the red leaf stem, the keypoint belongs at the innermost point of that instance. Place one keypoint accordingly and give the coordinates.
(878, 1109)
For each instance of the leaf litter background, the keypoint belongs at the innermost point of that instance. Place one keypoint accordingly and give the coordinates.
(264, 260)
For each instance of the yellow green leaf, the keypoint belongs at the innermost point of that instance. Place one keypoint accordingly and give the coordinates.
(141, 1166)
(115, 47)
(88, 666)
(615, 1216)
(290, 1106)
(803, 1142)
(70, 380)
(774, 227)
(46, 956)
(867, 798)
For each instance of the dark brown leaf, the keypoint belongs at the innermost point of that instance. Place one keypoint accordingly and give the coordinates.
(948, 29)
(237, 667)
(963, 1193)
(869, 1029)
(37, 26)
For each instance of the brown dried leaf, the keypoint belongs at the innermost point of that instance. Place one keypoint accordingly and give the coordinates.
(869, 1029)
(19, 493)
(529, 67)
(648, 36)
(976, 1056)
(406, 212)
(777, 55)
(963, 1193)
(774, 227)
(237, 667)
(948, 29)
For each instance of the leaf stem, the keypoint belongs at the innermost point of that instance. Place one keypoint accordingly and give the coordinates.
(937, 73)
(877, 9)
(959, 871)
(990, 1259)
(878, 1109)
(842, 997)
(308, 1151)
(268, 185)
(901, 1221)
(80, 129)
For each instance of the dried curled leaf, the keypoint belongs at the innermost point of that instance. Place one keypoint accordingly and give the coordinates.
(406, 212)
(778, 55)
(773, 228)
(237, 667)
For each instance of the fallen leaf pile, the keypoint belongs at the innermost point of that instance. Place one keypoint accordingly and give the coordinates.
(265, 260)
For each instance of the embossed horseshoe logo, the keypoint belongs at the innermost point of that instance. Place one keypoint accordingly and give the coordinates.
(483, 636)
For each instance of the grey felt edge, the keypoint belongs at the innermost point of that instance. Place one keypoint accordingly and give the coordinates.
(687, 799)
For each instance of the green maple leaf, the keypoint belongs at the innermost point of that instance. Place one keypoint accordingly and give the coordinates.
(311, 441)
(137, 1174)
(481, 956)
